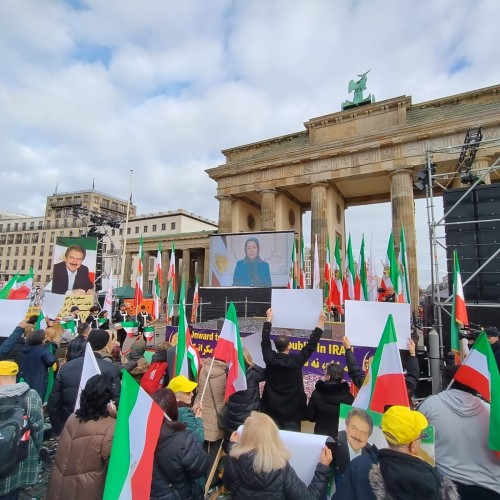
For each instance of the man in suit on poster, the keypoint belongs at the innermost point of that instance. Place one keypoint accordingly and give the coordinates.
(71, 276)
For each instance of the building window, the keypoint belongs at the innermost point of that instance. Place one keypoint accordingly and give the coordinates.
(16, 225)
(25, 251)
(40, 224)
(23, 263)
(7, 264)
(1, 227)
(113, 232)
(24, 226)
(52, 237)
(121, 231)
(26, 238)
(8, 227)
(32, 225)
(47, 226)
(38, 278)
(41, 251)
(57, 223)
(19, 239)
(40, 264)
(1, 253)
(32, 263)
(145, 229)
(48, 265)
(16, 251)
(154, 227)
(104, 247)
(48, 278)
(15, 264)
(10, 239)
(51, 249)
(3, 239)
(163, 227)
(33, 250)
(137, 230)
(34, 238)
(9, 250)
(43, 237)
(172, 225)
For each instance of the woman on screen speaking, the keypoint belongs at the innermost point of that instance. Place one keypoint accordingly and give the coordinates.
(252, 270)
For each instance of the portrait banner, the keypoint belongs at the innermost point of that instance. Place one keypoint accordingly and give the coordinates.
(250, 259)
(74, 265)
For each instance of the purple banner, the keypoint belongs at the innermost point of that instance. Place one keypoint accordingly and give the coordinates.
(328, 351)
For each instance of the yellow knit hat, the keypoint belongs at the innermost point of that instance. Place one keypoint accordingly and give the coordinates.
(8, 368)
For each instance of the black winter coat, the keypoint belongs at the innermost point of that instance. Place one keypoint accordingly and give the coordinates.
(324, 406)
(179, 461)
(284, 398)
(34, 367)
(62, 399)
(241, 403)
(243, 483)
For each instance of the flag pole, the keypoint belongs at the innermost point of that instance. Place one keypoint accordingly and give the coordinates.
(125, 231)
(206, 381)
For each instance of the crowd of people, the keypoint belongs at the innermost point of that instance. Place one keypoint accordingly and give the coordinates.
(200, 426)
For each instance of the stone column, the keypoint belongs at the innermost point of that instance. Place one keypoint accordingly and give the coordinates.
(127, 271)
(186, 266)
(479, 166)
(225, 214)
(206, 268)
(268, 210)
(199, 266)
(403, 214)
(319, 223)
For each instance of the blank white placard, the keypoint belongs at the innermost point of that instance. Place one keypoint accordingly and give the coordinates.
(298, 309)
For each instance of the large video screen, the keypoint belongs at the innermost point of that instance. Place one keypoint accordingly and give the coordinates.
(74, 267)
(251, 259)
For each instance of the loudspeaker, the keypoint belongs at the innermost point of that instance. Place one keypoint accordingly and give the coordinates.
(476, 240)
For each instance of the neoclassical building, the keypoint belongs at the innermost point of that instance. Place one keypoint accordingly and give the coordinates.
(365, 154)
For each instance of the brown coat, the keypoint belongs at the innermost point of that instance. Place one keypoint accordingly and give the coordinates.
(218, 383)
(81, 460)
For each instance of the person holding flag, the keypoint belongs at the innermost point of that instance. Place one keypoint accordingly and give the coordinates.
(462, 453)
(284, 398)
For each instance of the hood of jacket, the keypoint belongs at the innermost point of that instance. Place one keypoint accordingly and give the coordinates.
(404, 476)
(7, 391)
(333, 389)
(462, 403)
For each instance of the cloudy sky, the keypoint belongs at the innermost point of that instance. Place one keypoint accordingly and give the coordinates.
(90, 89)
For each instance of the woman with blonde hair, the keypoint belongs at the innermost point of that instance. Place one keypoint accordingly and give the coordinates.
(258, 463)
(242, 403)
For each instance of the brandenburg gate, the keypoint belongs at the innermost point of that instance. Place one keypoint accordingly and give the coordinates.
(365, 154)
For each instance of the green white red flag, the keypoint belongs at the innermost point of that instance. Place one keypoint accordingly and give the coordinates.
(89, 369)
(372, 275)
(171, 278)
(139, 280)
(336, 291)
(302, 270)
(390, 275)
(384, 383)
(316, 278)
(69, 325)
(362, 276)
(350, 273)
(479, 370)
(157, 285)
(18, 287)
(137, 429)
(196, 302)
(404, 283)
(327, 275)
(459, 317)
(40, 324)
(292, 276)
(186, 355)
(229, 349)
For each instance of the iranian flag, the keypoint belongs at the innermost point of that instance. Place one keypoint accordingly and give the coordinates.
(136, 435)
(21, 287)
(362, 276)
(40, 324)
(292, 277)
(69, 325)
(350, 273)
(158, 284)
(328, 274)
(89, 369)
(459, 317)
(479, 371)
(131, 327)
(4, 292)
(404, 284)
(390, 275)
(108, 298)
(186, 355)
(171, 284)
(302, 270)
(139, 289)
(316, 278)
(229, 349)
(336, 292)
(384, 383)
(196, 302)
(372, 275)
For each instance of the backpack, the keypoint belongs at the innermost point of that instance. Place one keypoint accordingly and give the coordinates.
(154, 378)
(14, 432)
